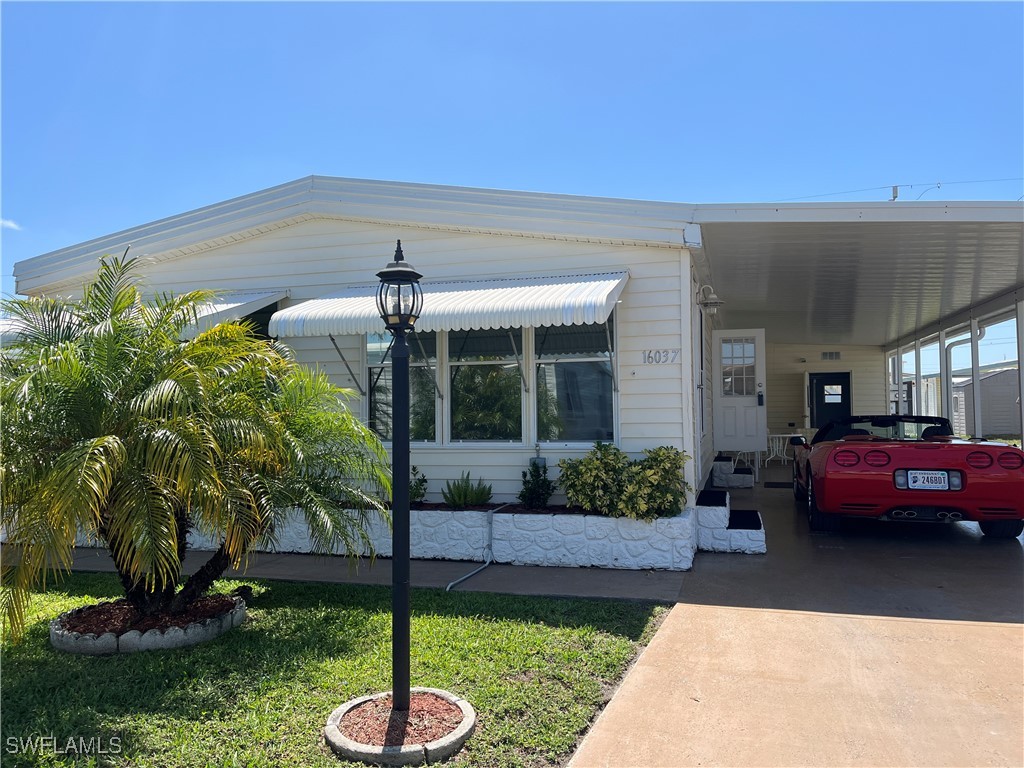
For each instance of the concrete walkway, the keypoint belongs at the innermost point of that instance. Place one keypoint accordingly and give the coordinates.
(882, 646)
(886, 645)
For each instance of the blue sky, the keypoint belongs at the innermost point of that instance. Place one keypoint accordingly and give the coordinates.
(114, 115)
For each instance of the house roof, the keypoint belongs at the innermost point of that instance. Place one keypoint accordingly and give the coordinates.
(824, 273)
(459, 209)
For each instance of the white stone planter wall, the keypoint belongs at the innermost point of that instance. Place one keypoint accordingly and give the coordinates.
(593, 540)
(523, 539)
(528, 539)
(714, 534)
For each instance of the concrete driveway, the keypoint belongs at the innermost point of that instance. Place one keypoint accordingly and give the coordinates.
(885, 645)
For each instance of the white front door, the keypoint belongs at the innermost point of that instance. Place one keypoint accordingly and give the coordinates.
(740, 415)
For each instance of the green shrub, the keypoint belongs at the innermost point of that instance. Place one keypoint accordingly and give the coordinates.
(607, 482)
(417, 486)
(537, 488)
(654, 486)
(464, 493)
(595, 481)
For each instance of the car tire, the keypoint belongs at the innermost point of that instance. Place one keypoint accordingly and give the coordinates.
(1002, 529)
(799, 494)
(816, 519)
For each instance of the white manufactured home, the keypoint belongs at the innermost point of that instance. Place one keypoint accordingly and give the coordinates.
(553, 321)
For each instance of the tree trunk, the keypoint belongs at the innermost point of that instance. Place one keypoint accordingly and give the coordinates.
(145, 601)
(201, 581)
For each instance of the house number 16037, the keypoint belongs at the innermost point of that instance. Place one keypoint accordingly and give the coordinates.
(659, 356)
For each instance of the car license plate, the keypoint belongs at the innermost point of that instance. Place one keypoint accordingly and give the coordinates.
(927, 480)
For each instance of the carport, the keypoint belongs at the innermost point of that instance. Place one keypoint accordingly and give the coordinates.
(886, 289)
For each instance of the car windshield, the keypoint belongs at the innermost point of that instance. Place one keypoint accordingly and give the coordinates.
(886, 428)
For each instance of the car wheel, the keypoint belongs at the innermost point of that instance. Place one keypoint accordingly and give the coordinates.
(816, 519)
(1002, 529)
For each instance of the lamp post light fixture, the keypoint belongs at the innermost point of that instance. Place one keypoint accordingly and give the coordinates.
(399, 301)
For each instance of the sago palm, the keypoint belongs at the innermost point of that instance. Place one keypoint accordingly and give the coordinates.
(116, 426)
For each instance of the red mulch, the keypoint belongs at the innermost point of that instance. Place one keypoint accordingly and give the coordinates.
(375, 724)
(120, 617)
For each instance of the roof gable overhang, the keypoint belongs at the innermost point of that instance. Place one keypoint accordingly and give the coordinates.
(456, 209)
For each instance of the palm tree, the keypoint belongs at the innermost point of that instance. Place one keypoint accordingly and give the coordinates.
(115, 426)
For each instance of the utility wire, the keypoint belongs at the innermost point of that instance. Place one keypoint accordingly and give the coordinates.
(902, 186)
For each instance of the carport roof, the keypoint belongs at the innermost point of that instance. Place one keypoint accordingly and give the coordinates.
(868, 273)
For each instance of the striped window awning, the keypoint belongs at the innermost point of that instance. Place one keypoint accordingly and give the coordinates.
(233, 305)
(463, 305)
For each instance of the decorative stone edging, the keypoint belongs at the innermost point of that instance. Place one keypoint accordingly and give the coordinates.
(151, 640)
(408, 754)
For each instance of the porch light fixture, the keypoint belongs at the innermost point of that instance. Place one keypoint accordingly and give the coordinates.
(708, 299)
(399, 301)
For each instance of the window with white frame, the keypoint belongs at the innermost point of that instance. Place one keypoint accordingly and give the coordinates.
(486, 384)
(574, 395)
(477, 385)
(422, 402)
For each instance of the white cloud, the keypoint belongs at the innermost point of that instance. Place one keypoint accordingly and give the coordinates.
(8, 224)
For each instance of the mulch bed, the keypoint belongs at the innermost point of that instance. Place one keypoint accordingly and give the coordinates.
(120, 617)
(375, 724)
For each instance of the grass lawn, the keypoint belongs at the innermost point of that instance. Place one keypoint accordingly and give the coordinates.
(536, 670)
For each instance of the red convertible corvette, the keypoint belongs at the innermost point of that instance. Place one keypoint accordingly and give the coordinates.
(908, 468)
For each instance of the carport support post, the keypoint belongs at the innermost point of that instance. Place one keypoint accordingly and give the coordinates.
(1020, 362)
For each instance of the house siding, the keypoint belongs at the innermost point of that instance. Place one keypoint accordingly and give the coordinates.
(314, 258)
(786, 399)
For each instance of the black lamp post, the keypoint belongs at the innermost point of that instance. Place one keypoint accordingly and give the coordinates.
(399, 301)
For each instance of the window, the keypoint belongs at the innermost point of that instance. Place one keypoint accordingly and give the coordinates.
(422, 362)
(574, 383)
(738, 374)
(833, 393)
(468, 386)
(486, 384)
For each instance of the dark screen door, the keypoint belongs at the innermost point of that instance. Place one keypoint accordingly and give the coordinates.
(829, 397)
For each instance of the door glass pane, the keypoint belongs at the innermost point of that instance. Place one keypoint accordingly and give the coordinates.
(738, 367)
(833, 393)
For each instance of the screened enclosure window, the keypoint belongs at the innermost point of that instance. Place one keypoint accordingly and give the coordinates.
(738, 374)
(833, 393)
(486, 384)
(422, 363)
(574, 383)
